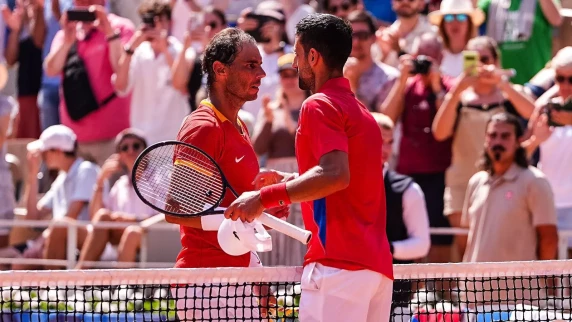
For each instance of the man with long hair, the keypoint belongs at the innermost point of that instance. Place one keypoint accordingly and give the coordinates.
(508, 198)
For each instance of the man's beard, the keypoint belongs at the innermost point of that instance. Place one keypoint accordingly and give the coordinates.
(306, 83)
(403, 14)
(497, 151)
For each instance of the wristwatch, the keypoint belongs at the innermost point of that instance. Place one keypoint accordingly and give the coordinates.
(128, 50)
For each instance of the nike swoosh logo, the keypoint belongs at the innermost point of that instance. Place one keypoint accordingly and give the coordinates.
(237, 160)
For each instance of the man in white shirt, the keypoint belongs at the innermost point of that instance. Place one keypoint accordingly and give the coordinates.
(69, 196)
(144, 71)
(407, 220)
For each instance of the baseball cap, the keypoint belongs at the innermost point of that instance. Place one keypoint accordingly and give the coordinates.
(130, 132)
(285, 62)
(59, 137)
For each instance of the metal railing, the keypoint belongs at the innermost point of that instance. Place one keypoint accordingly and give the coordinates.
(72, 233)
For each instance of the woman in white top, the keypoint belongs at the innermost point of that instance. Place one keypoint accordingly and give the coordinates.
(458, 22)
(118, 204)
(552, 132)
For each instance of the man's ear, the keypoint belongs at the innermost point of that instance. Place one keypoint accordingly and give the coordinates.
(313, 57)
(219, 69)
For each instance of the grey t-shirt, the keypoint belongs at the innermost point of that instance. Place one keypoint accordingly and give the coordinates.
(375, 84)
(75, 185)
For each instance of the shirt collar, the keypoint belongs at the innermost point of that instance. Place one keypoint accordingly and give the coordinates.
(74, 168)
(219, 115)
(335, 84)
(511, 174)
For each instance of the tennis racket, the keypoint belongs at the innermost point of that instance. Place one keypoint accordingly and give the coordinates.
(181, 180)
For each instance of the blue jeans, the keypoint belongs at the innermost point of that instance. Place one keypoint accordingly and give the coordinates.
(49, 105)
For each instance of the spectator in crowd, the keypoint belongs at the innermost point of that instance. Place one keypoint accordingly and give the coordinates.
(49, 95)
(371, 81)
(274, 136)
(144, 72)
(523, 31)
(552, 132)
(93, 49)
(457, 21)
(399, 37)
(271, 46)
(464, 115)
(69, 196)
(187, 13)
(294, 11)
(508, 198)
(414, 99)
(126, 9)
(120, 204)
(187, 73)
(340, 8)
(7, 202)
(407, 220)
(541, 83)
(25, 41)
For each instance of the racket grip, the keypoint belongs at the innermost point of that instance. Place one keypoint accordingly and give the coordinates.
(286, 228)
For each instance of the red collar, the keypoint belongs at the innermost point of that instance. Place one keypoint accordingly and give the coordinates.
(335, 84)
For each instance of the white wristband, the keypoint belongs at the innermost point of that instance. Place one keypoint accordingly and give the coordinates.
(211, 222)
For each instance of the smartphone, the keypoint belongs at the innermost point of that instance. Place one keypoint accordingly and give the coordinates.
(148, 20)
(554, 106)
(256, 33)
(470, 61)
(81, 15)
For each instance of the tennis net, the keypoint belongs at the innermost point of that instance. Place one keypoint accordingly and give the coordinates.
(512, 291)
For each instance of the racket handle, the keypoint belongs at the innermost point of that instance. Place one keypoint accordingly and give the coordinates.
(286, 228)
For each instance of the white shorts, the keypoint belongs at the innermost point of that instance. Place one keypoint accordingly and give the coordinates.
(333, 294)
(211, 302)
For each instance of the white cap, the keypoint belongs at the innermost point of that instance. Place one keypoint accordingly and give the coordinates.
(237, 238)
(57, 137)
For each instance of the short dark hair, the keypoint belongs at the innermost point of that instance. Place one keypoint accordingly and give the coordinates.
(327, 34)
(72, 153)
(358, 16)
(224, 47)
(520, 155)
(157, 8)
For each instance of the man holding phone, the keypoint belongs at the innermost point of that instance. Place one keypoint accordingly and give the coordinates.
(157, 108)
(98, 43)
(414, 99)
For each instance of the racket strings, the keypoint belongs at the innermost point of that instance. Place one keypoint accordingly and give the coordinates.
(186, 183)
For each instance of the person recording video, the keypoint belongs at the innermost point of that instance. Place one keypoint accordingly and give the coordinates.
(157, 108)
(414, 99)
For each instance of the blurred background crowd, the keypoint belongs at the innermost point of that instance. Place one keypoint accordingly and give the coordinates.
(86, 91)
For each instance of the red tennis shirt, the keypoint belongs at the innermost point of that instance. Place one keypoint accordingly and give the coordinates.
(348, 226)
(210, 131)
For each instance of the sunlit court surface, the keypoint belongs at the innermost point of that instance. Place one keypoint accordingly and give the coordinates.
(511, 291)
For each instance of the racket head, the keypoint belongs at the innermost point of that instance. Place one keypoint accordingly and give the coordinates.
(178, 179)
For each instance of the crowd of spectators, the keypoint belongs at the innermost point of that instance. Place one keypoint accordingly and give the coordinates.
(91, 95)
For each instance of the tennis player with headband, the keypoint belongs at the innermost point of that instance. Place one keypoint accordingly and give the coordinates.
(348, 267)
(232, 63)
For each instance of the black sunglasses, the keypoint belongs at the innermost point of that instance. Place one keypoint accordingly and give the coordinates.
(135, 147)
(562, 79)
(344, 6)
(485, 60)
(362, 35)
(212, 24)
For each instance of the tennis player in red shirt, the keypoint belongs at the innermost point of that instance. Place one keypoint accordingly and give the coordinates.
(348, 267)
(232, 63)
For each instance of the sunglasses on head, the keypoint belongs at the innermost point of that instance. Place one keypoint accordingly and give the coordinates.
(361, 35)
(459, 17)
(135, 147)
(562, 79)
(343, 7)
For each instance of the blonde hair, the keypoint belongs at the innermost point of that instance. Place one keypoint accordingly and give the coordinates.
(383, 121)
